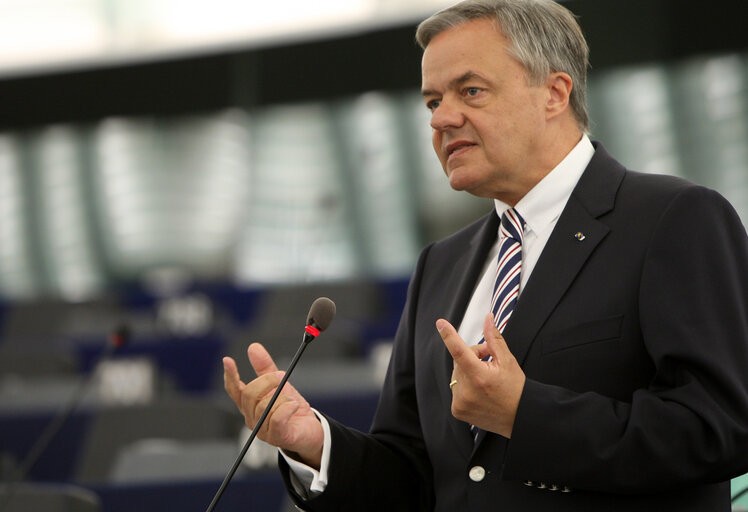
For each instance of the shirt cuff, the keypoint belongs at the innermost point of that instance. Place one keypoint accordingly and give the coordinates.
(307, 481)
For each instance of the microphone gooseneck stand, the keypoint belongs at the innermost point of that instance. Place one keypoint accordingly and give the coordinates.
(320, 315)
(257, 426)
(117, 339)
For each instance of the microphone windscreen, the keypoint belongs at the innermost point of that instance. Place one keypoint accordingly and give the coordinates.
(321, 313)
(120, 336)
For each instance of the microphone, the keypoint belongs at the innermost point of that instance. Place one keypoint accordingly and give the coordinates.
(321, 313)
(319, 318)
(118, 338)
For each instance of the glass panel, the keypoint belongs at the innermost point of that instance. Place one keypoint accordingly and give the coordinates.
(712, 118)
(371, 137)
(65, 228)
(172, 192)
(298, 225)
(16, 265)
(632, 113)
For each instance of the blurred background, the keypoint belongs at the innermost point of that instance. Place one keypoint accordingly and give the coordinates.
(190, 176)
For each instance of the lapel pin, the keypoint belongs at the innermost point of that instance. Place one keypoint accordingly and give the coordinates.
(579, 236)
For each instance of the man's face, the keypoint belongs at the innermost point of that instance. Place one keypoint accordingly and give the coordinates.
(487, 121)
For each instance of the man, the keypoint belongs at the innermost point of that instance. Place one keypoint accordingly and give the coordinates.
(617, 378)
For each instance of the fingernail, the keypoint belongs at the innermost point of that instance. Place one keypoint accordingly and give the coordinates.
(441, 324)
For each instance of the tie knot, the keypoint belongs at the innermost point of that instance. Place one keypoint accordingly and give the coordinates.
(512, 225)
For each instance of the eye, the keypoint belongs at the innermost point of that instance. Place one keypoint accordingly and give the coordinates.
(472, 91)
(433, 105)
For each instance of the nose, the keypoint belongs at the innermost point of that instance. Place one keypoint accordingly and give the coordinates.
(446, 115)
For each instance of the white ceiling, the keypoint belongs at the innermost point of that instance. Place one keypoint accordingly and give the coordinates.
(46, 35)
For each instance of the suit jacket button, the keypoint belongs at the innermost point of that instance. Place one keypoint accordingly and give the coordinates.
(477, 473)
(566, 489)
(554, 487)
(529, 483)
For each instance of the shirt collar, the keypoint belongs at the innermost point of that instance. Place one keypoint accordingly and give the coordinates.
(545, 201)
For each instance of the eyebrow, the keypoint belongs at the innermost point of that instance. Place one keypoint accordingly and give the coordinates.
(465, 77)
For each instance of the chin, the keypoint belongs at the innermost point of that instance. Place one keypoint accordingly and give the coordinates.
(457, 184)
(463, 181)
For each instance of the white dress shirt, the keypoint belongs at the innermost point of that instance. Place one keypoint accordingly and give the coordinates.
(540, 208)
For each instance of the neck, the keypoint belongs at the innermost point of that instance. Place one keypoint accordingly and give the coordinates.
(557, 144)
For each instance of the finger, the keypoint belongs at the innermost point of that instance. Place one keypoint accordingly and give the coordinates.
(495, 344)
(263, 386)
(463, 355)
(281, 415)
(231, 381)
(257, 394)
(260, 359)
(280, 404)
(481, 351)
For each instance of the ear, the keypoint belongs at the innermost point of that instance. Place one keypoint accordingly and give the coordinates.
(559, 86)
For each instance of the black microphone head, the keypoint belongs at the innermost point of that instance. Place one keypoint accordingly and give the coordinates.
(321, 313)
(120, 336)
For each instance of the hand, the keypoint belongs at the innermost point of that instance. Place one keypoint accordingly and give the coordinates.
(291, 424)
(487, 393)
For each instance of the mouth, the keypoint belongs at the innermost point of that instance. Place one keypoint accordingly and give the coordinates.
(458, 147)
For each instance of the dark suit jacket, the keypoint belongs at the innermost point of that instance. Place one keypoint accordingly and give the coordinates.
(634, 341)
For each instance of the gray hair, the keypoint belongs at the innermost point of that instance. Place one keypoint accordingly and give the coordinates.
(545, 38)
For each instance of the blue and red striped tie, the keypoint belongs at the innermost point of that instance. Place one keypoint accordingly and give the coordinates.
(506, 286)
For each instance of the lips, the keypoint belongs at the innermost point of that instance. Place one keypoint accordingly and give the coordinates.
(458, 146)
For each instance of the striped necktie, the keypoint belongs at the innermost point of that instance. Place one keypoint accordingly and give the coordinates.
(506, 286)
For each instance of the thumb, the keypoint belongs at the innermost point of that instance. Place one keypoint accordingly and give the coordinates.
(260, 359)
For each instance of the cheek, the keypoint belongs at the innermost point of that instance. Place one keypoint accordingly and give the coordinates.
(436, 141)
(503, 133)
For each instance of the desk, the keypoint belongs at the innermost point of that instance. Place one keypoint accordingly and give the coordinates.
(256, 492)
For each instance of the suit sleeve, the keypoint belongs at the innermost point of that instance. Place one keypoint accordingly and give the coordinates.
(690, 425)
(389, 468)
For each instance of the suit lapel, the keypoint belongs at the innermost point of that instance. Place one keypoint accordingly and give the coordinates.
(561, 260)
(468, 267)
(460, 285)
(574, 239)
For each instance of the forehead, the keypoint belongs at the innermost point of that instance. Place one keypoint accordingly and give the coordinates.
(476, 45)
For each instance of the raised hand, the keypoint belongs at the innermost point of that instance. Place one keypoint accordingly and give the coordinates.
(486, 393)
(291, 424)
